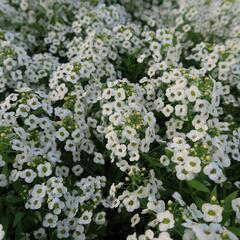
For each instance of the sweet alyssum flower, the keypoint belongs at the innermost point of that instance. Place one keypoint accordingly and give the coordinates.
(166, 220)
(109, 110)
(2, 233)
(212, 212)
(131, 203)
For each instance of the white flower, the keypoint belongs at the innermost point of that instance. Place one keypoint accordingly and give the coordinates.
(56, 205)
(33, 103)
(120, 150)
(167, 110)
(181, 110)
(73, 77)
(18, 145)
(118, 105)
(156, 206)
(164, 236)
(150, 119)
(85, 218)
(129, 132)
(203, 231)
(188, 235)
(132, 237)
(101, 87)
(34, 203)
(116, 119)
(212, 212)
(164, 160)
(77, 170)
(141, 58)
(179, 94)
(193, 164)
(50, 220)
(77, 135)
(183, 174)
(107, 93)
(40, 233)
(149, 234)
(135, 220)
(62, 230)
(122, 165)
(159, 104)
(145, 145)
(221, 158)
(44, 170)
(78, 234)
(178, 198)
(166, 220)
(236, 206)
(134, 155)
(22, 110)
(62, 171)
(155, 47)
(131, 203)
(28, 175)
(213, 171)
(199, 121)
(39, 191)
(2, 233)
(201, 106)
(98, 158)
(196, 135)
(2, 162)
(62, 134)
(107, 109)
(70, 145)
(31, 121)
(100, 218)
(119, 94)
(193, 93)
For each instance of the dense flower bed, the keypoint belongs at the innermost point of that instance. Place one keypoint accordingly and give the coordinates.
(119, 119)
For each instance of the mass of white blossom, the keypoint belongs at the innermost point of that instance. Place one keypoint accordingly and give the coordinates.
(120, 119)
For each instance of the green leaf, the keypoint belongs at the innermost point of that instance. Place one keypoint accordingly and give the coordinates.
(17, 187)
(18, 218)
(18, 232)
(5, 170)
(5, 218)
(235, 230)
(199, 202)
(151, 160)
(99, 230)
(53, 235)
(198, 186)
(228, 200)
(227, 205)
(13, 199)
(30, 222)
(168, 153)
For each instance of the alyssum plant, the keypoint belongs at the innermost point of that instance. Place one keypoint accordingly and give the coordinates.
(120, 119)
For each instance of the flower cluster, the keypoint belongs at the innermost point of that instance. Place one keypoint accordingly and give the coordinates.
(119, 119)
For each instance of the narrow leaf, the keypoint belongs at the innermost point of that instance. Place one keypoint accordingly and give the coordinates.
(198, 186)
(18, 218)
